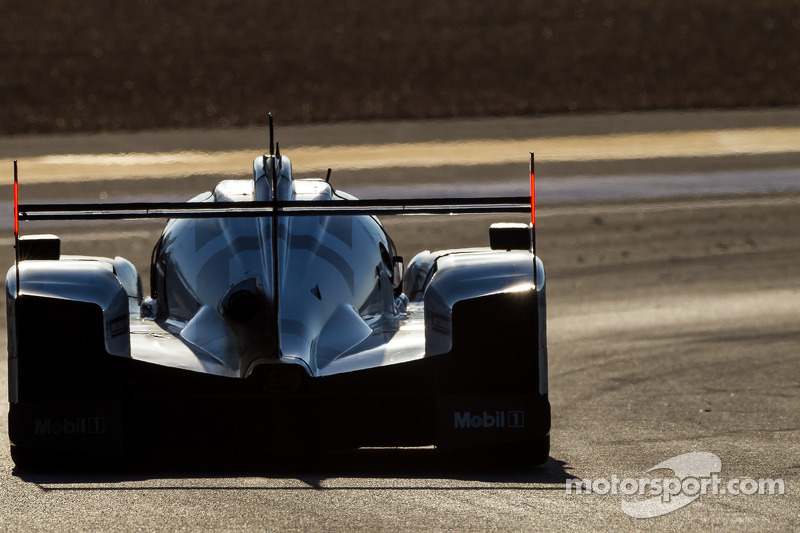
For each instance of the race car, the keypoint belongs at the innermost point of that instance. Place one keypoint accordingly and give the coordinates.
(279, 319)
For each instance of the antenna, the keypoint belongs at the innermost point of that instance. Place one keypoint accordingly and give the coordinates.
(328, 177)
(271, 137)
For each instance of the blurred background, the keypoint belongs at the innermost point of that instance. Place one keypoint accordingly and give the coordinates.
(70, 66)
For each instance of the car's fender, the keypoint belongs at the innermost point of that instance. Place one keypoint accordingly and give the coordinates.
(464, 276)
(80, 280)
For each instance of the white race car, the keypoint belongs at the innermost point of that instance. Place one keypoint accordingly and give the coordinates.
(279, 318)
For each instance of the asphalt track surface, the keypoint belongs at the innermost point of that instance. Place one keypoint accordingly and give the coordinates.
(674, 327)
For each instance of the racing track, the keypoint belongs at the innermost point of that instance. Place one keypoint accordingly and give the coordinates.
(674, 328)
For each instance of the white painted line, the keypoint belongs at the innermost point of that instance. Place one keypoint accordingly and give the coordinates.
(557, 211)
(708, 143)
(93, 236)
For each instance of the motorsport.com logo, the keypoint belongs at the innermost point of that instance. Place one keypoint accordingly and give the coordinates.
(498, 419)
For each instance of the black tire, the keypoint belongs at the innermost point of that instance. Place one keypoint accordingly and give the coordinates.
(31, 458)
(526, 453)
(520, 455)
(38, 460)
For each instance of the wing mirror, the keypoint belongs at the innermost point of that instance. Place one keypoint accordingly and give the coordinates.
(510, 236)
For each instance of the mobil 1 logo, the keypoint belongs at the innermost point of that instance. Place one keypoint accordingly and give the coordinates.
(495, 419)
(466, 420)
(83, 425)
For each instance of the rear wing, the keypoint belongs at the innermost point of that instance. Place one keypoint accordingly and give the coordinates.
(149, 210)
(274, 208)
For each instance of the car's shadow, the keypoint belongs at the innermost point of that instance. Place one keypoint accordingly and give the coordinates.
(329, 471)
